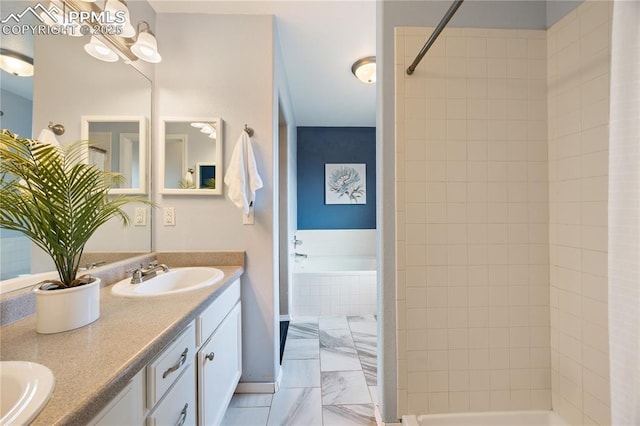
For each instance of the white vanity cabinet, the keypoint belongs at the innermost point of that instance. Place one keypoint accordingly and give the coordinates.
(171, 387)
(192, 380)
(126, 408)
(220, 356)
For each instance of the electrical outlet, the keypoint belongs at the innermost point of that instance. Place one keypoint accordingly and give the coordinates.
(169, 216)
(140, 218)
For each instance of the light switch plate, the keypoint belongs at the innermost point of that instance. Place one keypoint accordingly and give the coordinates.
(248, 219)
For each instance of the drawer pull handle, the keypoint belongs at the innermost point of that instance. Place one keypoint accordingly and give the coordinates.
(183, 415)
(183, 359)
(211, 356)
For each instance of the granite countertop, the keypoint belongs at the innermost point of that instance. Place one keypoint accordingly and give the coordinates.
(93, 363)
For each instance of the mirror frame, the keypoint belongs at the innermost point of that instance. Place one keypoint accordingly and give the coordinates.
(219, 155)
(142, 146)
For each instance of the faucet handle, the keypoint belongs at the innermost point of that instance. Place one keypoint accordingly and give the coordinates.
(153, 263)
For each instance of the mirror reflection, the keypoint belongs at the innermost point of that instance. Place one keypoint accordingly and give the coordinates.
(118, 144)
(63, 93)
(192, 156)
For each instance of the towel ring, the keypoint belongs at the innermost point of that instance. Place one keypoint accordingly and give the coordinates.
(249, 130)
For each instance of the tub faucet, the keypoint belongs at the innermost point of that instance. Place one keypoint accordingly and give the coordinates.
(303, 255)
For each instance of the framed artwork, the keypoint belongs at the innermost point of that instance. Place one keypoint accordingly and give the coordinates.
(206, 175)
(345, 183)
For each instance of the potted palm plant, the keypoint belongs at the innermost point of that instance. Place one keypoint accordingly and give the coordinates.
(56, 199)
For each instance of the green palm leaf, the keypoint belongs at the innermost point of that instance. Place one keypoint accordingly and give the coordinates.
(56, 199)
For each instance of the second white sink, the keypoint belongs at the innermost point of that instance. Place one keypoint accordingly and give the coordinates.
(25, 389)
(178, 280)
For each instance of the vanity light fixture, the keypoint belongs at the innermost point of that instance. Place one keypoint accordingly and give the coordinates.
(99, 50)
(146, 45)
(71, 15)
(206, 128)
(16, 63)
(115, 7)
(365, 69)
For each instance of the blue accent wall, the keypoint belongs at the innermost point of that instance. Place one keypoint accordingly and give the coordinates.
(318, 146)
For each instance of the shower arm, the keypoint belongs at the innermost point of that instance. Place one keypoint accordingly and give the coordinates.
(432, 39)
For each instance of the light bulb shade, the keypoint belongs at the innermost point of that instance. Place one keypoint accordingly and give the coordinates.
(146, 47)
(16, 63)
(100, 51)
(112, 8)
(47, 136)
(365, 69)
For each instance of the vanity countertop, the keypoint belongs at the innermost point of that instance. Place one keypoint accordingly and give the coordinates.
(93, 363)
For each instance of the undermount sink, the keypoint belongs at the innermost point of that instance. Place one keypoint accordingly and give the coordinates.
(178, 280)
(25, 389)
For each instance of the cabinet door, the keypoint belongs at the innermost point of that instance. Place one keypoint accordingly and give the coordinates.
(126, 408)
(178, 406)
(219, 369)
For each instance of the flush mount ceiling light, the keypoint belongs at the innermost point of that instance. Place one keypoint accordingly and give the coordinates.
(16, 63)
(146, 46)
(365, 69)
(99, 50)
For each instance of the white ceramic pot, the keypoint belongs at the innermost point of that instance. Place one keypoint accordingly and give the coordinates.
(66, 309)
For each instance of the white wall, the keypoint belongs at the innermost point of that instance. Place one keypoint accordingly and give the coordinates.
(285, 122)
(223, 66)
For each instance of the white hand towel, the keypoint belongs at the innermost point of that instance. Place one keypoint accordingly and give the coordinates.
(242, 177)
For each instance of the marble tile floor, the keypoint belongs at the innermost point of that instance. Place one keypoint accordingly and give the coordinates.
(328, 377)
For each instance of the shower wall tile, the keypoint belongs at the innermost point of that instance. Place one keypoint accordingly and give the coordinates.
(472, 221)
(578, 76)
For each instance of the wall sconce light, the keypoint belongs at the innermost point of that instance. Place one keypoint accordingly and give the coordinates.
(16, 63)
(113, 7)
(365, 69)
(98, 50)
(146, 46)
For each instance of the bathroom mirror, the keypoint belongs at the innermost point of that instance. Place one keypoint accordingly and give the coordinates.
(67, 85)
(192, 156)
(119, 144)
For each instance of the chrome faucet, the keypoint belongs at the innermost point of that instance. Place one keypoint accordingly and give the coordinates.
(139, 275)
(296, 242)
(94, 265)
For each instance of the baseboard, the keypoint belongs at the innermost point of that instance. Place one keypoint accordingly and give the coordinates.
(258, 387)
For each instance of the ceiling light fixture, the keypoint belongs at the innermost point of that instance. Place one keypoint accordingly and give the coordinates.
(365, 69)
(146, 46)
(16, 63)
(99, 50)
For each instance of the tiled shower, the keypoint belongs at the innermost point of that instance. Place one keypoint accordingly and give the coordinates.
(501, 184)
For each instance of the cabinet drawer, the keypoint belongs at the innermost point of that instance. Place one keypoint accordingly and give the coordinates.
(178, 407)
(210, 318)
(219, 369)
(167, 367)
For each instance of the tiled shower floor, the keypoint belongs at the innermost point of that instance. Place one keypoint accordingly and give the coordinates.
(328, 377)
